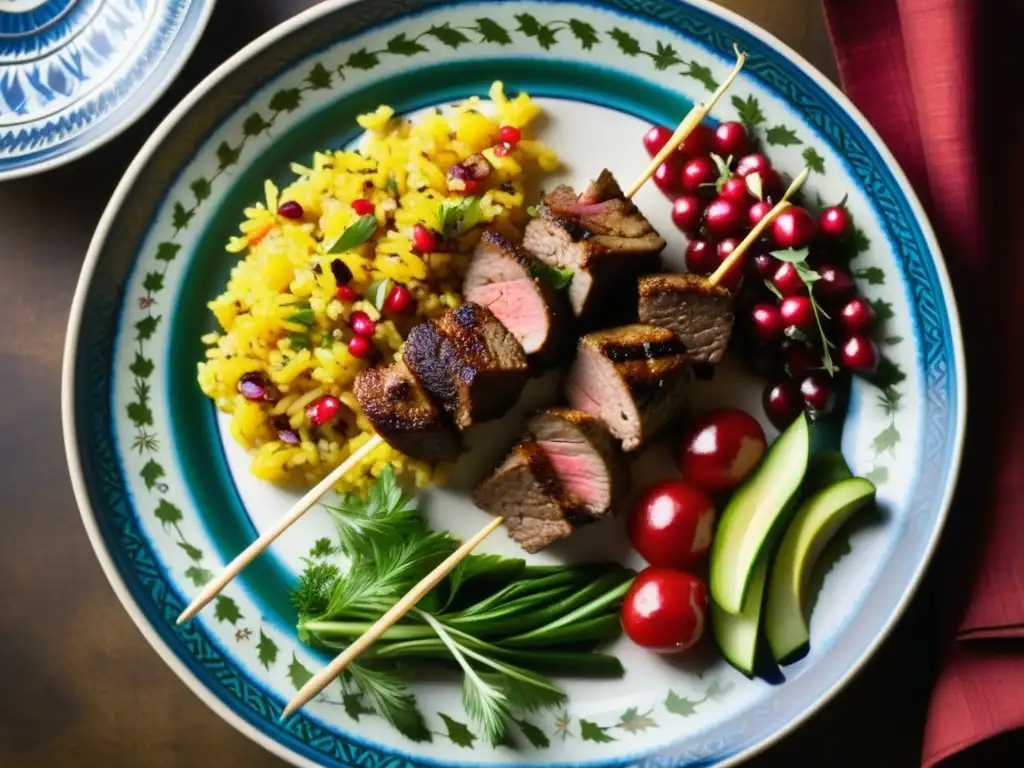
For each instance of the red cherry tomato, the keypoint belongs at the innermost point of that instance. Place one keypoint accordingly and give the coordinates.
(721, 449)
(665, 610)
(672, 524)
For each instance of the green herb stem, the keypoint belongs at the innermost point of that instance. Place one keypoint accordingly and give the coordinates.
(354, 629)
(571, 620)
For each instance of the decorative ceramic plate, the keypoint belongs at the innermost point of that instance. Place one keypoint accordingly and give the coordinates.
(75, 73)
(166, 495)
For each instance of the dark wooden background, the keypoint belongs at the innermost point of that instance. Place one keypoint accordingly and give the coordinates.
(79, 686)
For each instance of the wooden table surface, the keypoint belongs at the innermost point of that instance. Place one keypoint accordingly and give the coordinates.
(80, 685)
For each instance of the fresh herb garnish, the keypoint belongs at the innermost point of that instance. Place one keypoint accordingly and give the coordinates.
(533, 212)
(303, 314)
(299, 341)
(723, 172)
(377, 292)
(798, 258)
(457, 218)
(392, 185)
(501, 623)
(358, 232)
(556, 277)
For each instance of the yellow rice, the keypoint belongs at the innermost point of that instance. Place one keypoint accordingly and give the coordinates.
(402, 168)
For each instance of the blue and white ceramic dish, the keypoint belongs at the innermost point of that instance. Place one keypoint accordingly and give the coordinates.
(166, 496)
(75, 73)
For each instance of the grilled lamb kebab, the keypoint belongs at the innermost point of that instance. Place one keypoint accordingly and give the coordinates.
(635, 379)
(603, 238)
(501, 277)
(403, 414)
(567, 471)
(698, 311)
(469, 363)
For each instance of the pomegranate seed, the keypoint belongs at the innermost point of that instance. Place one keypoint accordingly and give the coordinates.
(817, 394)
(856, 316)
(656, 138)
(764, 265)
(781, 403)
(771, 183)
(666, 177)
(768, 324)
(758, 211)
(730, 140)
(734, 276)
(735, 189)
(291, 210)
(697, 142)
(360, 346)
(800, 361)
(510, 134)
(362, 206)
(793, 228)
(398, 300)
(323, 410)
(253, 386)
(834, 222)
(787, 280)
(424, 240)
(698, 171)
(347, 293)
(724, 217)
(501, 150)
(362, 324)
(859, 354)
(701, 257)
(288, 435)
(797, 311)
(751, 163)
(835, 285)
(687, 212)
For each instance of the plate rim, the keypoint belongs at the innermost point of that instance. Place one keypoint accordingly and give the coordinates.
(154, 90)
(268, 39)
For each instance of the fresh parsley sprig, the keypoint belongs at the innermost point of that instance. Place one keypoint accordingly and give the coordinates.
(499, 622)
(798, 258)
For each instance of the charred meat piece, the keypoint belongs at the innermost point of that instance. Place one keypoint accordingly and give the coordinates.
(601, 236)
(634, 378)
(500, 277)
(403, 414)
(526, 492)
(586, 459)
(700, 313)
(468, 362)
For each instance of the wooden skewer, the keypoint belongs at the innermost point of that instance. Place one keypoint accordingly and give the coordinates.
(691, 121)
(249, 554)
(737, 253)
(322, 678)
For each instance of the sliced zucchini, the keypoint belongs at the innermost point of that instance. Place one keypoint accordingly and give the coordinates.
(814, 523)
(753, 513)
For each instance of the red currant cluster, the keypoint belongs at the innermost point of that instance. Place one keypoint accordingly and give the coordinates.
(799, 319)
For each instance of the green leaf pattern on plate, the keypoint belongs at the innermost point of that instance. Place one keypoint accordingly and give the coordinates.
(547, 34)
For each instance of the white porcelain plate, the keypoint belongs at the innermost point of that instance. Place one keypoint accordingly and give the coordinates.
(166, 495)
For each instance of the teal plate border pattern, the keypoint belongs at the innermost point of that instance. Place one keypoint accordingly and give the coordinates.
(101, 487)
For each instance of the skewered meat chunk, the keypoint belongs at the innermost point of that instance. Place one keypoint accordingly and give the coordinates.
(469, 363)
(525, 491)
(602, 237)
(700, 313)
(634, 378)
(500, 278)
(403, 414)
(585, 457)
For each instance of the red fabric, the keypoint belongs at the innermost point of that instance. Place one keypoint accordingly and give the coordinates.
(935, 78)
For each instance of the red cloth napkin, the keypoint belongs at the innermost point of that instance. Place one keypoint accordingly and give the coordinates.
(933, 78)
